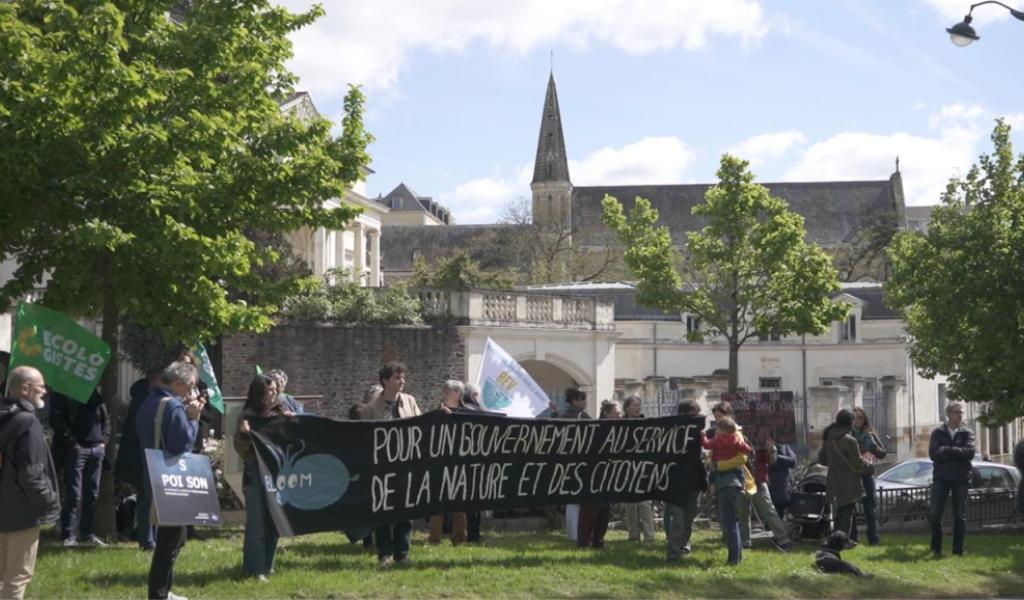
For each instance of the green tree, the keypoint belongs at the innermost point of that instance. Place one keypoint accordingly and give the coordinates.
(747, 272)
(457, 272)
(960, 287)
(136, 151)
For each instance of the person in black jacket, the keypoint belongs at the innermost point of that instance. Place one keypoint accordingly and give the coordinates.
(951, 448)
(129, 467)
(85, 430)
(28, 481)
(779, 485)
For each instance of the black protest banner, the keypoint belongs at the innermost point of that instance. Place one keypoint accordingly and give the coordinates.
(765, 415)
(325, 475)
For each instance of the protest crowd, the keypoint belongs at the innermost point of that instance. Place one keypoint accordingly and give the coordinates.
(168, 412)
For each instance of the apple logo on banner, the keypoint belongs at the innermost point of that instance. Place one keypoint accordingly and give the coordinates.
(311, 482)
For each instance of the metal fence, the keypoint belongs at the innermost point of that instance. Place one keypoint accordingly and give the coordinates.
(911, 507)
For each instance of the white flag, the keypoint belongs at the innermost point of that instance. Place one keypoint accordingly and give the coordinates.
(506, 387)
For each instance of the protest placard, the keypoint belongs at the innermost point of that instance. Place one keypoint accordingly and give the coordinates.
(765, 415)
(184, 490)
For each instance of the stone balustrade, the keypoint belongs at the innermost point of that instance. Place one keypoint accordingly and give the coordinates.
(518, 309)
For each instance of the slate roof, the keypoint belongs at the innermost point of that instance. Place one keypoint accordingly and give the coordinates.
(411, 201)
(398, 243)
(551, 163)
(833, 211)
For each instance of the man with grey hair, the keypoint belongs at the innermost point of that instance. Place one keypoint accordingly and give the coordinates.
(168, 420)
(471, 398)
(28, 481)
(287, 400)
(951, 448)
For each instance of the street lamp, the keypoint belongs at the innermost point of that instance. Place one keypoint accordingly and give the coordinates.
(962, 34)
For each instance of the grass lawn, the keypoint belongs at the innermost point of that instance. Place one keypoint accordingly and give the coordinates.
(537, 565)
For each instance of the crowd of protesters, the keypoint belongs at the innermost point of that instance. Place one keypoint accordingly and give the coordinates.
(746, 477)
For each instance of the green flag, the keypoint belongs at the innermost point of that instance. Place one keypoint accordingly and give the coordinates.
(206, 374)
(68, 355)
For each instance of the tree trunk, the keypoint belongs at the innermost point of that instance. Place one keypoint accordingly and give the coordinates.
(734, 366)
(106, 523)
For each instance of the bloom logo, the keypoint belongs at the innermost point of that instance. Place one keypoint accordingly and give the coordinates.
(311, 482)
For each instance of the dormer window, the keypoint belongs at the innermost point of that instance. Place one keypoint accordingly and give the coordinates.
(396, 204)
(848, 330)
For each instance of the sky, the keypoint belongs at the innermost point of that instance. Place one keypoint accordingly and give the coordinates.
(655, 91)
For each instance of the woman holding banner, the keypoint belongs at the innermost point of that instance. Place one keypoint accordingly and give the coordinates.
(639, 515)
(260, 543)
(451, 401)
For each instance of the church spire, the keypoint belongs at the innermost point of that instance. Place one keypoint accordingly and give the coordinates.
(550, 164)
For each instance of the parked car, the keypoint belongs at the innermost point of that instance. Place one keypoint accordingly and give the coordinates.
(917, 472)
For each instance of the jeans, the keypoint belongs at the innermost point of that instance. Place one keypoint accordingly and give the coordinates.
(260, 544)
(144, 532)
(941, 490)
(870, 503)
(393, 539)
(680, 525)
(762, 502)
(640, 520)
(473, 527)
(82, 472)
(844, 518)
(728, 499)
(169, 541)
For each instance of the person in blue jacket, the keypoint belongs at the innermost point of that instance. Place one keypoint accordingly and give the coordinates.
(168, 420)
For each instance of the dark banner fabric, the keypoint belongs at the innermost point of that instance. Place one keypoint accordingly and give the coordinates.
(326, 475)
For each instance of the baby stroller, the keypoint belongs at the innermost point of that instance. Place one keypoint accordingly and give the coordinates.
(809, 507)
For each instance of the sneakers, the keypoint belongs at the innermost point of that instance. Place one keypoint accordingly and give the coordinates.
(173, 596)
(385, 562)
(403, 561)
(69, 542)
(95, 541)
(783, 547)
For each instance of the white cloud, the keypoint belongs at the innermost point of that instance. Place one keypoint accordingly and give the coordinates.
(480, 200)
(956, 115)
(369, 41)
(1016, 122)
(767, 146)
(926, 163)
(652, 160)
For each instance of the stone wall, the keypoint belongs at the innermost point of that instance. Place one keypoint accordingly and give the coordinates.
(340, 362)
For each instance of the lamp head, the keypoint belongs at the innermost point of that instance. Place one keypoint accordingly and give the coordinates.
(962, 34)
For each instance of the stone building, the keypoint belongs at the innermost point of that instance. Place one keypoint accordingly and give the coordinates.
(852, 220)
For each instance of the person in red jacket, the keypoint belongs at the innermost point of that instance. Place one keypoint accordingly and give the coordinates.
(727, 442)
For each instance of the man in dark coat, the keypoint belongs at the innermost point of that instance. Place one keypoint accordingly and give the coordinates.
(168, 420)
(28, 481)
(129, 466)
(779, 485)
(85, 431)
(951, 448)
